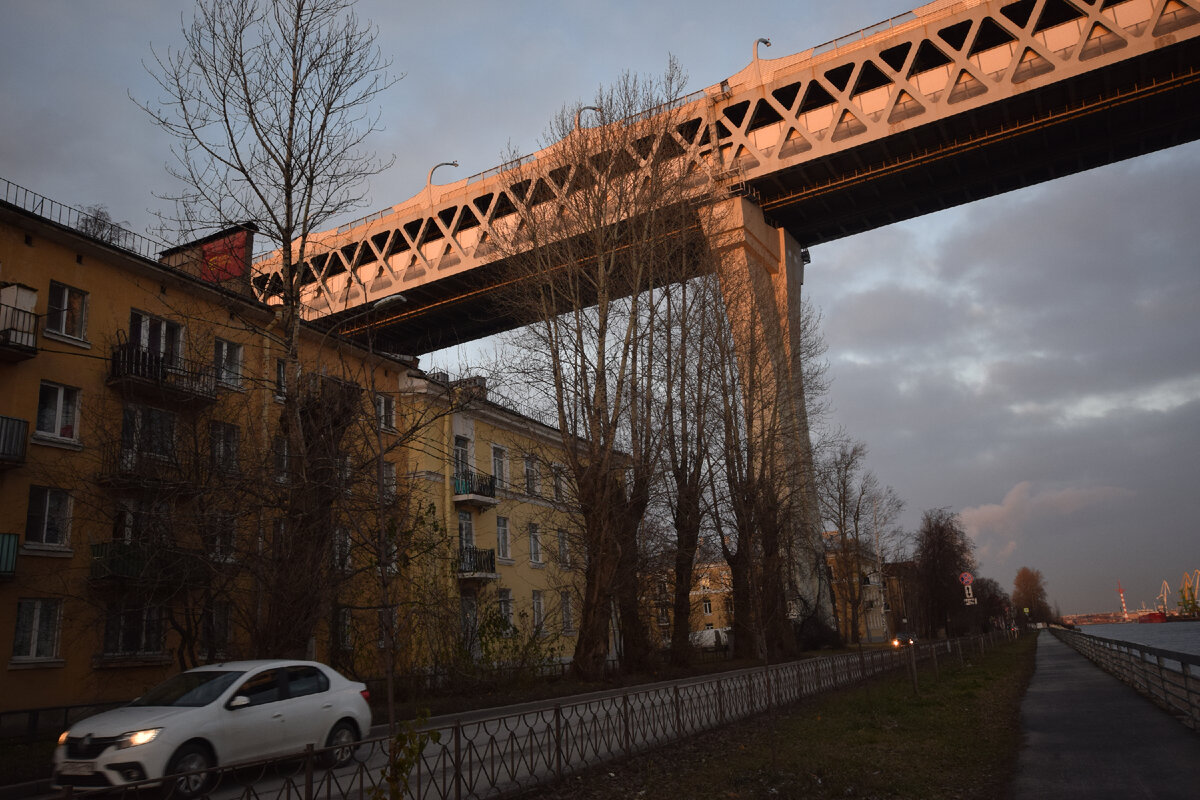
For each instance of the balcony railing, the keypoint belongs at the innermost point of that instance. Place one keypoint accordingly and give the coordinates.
(8, 554)
(149, 562)
(467, 482)
(474, 560)
(14, 434)
(18, 333)
(168, 376)
(122, 466)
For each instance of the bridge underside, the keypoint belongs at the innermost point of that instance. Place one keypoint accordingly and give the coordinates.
(1128, 109)
(1111, 114)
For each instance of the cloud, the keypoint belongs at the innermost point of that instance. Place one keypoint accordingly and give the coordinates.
(999, 529)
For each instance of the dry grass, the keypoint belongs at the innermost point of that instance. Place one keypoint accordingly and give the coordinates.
(958, 738)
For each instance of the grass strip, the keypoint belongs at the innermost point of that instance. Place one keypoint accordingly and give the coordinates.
(958, 738)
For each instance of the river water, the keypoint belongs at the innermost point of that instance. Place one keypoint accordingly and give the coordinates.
(1182, 637)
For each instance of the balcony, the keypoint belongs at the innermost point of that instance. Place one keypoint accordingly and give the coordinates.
(18, 333)
(145, 562)
(9, 542)
(474, 489)
(14, 434)
(150, 375)
(476, 564)
(124, 468)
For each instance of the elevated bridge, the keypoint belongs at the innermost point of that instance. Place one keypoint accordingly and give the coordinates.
(950, 103)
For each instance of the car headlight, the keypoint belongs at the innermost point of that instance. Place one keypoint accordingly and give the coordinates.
(895, 642)
(62, 738)
(134, 738)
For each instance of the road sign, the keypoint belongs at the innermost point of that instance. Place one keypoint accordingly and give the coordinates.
(971, 601)
(966, 579)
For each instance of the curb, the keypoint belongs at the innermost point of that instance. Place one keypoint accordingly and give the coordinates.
(30, 789)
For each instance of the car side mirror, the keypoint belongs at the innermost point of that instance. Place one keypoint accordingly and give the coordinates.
(240, 701)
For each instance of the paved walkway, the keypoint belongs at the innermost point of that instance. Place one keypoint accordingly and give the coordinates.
(1087, 735)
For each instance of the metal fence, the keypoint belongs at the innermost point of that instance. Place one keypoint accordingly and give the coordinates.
(497, 756)
(1168, 678)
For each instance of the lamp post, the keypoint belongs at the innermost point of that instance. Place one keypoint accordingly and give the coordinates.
(579, 114)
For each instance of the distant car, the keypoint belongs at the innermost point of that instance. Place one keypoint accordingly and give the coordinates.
(216, 715)
(902, 639)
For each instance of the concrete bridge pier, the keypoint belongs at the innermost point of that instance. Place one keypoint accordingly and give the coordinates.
(761, 269)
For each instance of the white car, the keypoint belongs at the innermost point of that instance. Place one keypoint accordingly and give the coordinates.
(216, 715)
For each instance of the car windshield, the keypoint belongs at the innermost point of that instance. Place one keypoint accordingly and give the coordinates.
(189, 689)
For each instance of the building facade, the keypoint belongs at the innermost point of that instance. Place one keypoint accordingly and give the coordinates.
(155, 510)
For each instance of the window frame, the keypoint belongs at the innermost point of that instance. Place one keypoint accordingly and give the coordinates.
(466, 530)
(532, 482)
(227, 362)
(535, 543)
(57, 316)
(385, 411)
(38, 606)
(44, 517)
(499, 464)
(564, 603)
(503, 539)
(224, 439)
(538, 606)
(65, 409)
(564, 549)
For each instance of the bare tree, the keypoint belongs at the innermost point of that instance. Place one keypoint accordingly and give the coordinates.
(862, 514)
(597, 231)
(270, 104)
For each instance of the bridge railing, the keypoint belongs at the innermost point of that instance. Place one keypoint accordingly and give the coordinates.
(1169, 678)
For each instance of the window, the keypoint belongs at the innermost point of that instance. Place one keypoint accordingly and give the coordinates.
(535, 543)
(146, 433)
(133, 628)
(707, 606)
(142, 521)
(531, 476)
(462, 455)
(503, 550)
(223, 446)
(48, 521)
(564, 603)
(304, 680)
(227, 360)
(263, 688)
(280, 461)
(220, 537)
(214, 630)
(505, 601)
(341, 550)
(345, 628)
(66, 313)
(387, 478)
(564, 550)
(539, 613)
(58, 411)
(280, 378)
(38, 622)
(664, 615)
(466, 530)
(498, 461)
(158, 337)
(559, 492)
(385, 411)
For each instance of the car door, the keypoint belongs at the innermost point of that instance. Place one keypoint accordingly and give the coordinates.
(310, 706)
(255, 728)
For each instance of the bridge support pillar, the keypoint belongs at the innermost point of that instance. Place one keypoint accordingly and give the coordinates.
(761, 269)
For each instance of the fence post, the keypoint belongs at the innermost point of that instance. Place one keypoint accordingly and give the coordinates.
(628, 738)
(958, 647)
(937, 676)
(458, 759)
(912, 668)
(678, 714)
(720, 702)
(308, 772)
(767, 684)
(558, 754)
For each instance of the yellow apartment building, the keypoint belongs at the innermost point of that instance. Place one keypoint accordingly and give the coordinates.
(151, 506)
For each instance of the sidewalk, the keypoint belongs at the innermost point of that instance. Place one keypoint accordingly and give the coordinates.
(1087, 735)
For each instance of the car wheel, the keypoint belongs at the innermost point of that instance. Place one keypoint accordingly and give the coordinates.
(195, 760)
(343, 741)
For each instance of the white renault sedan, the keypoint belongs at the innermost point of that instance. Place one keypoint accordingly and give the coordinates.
(216, 715)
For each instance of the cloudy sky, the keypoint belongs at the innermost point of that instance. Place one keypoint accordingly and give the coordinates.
(1030, 361)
